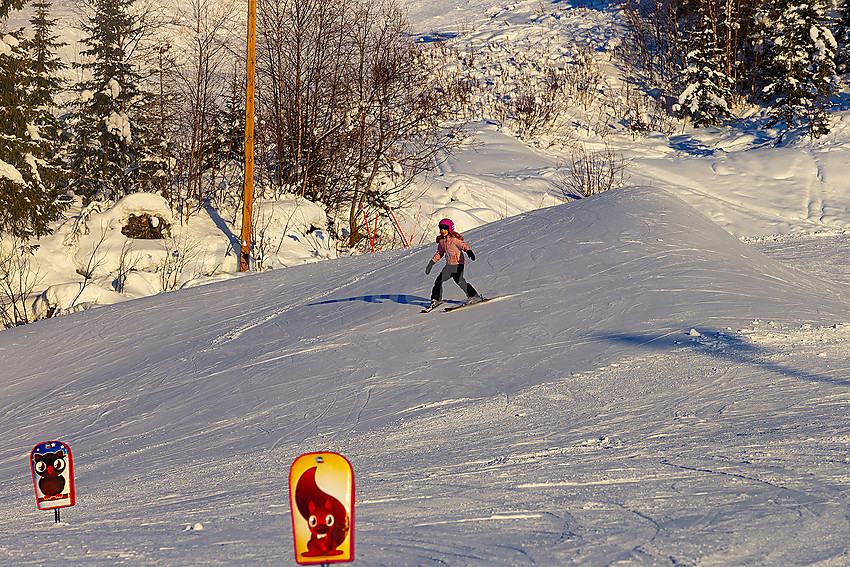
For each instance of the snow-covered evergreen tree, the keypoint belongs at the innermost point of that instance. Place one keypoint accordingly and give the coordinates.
(28, 192)
(842, 36)
(46, 66)
(7, 6)
(105, 152)
(706, 90)
(804, 56)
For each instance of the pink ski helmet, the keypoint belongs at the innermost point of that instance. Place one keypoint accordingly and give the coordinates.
(447, 224)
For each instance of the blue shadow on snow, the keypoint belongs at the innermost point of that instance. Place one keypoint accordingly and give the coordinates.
(719, 345)
(395, 298)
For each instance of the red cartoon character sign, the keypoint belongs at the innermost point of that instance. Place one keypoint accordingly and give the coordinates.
(321, 492)
(52, 475)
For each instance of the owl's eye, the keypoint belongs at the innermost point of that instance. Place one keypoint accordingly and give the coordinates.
(59, 465)
(40, 467)
(329, 521)
(313, 521)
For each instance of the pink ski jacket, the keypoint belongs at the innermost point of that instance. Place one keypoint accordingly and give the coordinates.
(453, 248)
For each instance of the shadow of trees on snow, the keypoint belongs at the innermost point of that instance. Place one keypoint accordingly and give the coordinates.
(717, 344)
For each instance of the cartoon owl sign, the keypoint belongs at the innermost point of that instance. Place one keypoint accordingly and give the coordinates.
(321, 493)
(52, 475)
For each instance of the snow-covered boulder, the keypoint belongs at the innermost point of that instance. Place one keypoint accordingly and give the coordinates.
(71, 297)
(122, 236)
(458, 191)
(133, 206)
(295, 216)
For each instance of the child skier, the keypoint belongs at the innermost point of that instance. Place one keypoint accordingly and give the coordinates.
(451, 245)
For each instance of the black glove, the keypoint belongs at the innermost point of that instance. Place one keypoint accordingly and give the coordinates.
(428, 267)
(471, 255)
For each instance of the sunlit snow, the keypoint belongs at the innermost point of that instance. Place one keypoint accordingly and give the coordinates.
(661, 379)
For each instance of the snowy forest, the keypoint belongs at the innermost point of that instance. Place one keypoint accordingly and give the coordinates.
(353, 107)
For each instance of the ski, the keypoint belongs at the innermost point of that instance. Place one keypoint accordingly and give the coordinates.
(469, 304)
(429, 309)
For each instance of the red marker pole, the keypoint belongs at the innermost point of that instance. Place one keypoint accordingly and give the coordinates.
(398, 227)
(368, 227)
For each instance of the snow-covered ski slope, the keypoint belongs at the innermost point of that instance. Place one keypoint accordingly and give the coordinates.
(647, 390)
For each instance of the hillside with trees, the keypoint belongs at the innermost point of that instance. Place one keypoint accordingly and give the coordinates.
(355, 106)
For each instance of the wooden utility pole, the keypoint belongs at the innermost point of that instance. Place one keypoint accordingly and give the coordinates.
(248, 194)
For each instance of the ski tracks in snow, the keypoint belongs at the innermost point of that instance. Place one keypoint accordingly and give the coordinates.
(651, 455)
(261, 319)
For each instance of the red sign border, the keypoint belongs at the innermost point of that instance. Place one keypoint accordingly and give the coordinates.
(70, 476)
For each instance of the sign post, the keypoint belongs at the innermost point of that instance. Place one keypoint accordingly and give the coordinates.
(52, 476)
(321, 493)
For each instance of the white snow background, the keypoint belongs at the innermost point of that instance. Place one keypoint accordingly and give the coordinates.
(662, 379)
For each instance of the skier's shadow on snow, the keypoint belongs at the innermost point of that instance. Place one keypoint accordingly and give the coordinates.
(395, 298)
(719, 345)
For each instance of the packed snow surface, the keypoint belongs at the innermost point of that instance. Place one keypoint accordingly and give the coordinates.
(645, 389)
